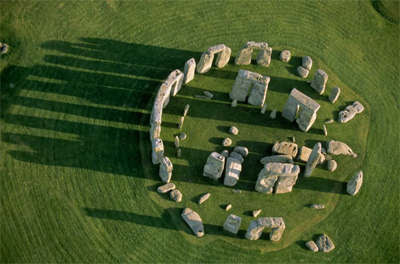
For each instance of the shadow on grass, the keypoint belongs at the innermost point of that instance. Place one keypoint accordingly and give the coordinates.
(321, 185)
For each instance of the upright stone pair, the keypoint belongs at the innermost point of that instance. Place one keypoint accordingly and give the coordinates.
(223, 55)
(263, 56)
(257, 226)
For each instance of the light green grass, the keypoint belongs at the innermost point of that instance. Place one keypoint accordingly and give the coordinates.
(74, 185)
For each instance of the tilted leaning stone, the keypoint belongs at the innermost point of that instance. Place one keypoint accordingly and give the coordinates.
(232, 171)
(193, 220)
(306, 62)
(355, 183)
(223, 55)
(166, 187)
(232, 223)
(157, 146)
(285, 174)
(350, 112)
(166, 168)
(325, 243)
(340, 148)
(277, 158)
(334, 95)
(214, 166)
(319, 81)
(190, 67)
(301, 108)
(256, 227)
(313, 160)
(285, 148)
(285, 55)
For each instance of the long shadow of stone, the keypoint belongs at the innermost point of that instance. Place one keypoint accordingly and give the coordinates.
(321, 185)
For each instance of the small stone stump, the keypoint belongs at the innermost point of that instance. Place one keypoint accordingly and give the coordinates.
(325, 243)
(204, 197)
(176, 195)
(232, 223)
(334, 95)
(285, 55)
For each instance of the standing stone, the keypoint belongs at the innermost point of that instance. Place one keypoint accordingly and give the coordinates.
(329, 121)
(350, 112)
(354, 185)
(193, 220)
(214, 166)
(225, 153)
(234, 130)
(256, 212)
(227, 142)
(181, 120)
(165, 171)
(3, 48)
(166, 187)
(256, 227)
(312, 246)
(303, 72)
(234, 103)
(175, 195)
(331, 165)
(176, 142)
(334, 95)
(340, 148)
(286, 174)
(264, 109)
(293, 139)
(313, 160)
(237, 156)
(228, 207)
(325, 130)
(232, 223)
(285, 148)
(319, 81)
(178, 152)
(306, 62)
(264, 57)
(325, 244)
(186, 110)
(232, 172)
(277, 158)
(208, 94)
(241, 150)
(189, 69)
(285, 55)
(204, 198)
(182, 136)
(273, 114)
(157, 150)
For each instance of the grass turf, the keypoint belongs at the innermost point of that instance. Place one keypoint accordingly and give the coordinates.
(74, 188)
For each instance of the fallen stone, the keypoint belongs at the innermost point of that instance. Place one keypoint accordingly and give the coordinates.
(331, 165)
(237, 156)
(285, 55)
(232, 223)
(175, 195)
(241, 150)
(228, 207)
(305, 152)
(182, 136)
(208, 94)
(313, 160)
(303, 72)
(234, 130)
(186, 110)
(329, 121)
(306, 62)
(232, 171)
(236, 191)
(166, 187)
(285, 148)
(200, 96)
(214, 166)
(227, 142)
(204, 198)
(263, 56)
(317, 206)
(340, 148)
(256, 227)
(319, 81)
(188, 71)
(256, 212)
(193, 220)
(312, 246)
(273, 114)
(176, 141)
(334, 95)
(264, 109)
(165, 171)
(325, 130)
(325, 244)
(277, 158)
(283, 174)
(234, 103)
(350, 112)
(355, 183)
(181, 120)
(225, 153)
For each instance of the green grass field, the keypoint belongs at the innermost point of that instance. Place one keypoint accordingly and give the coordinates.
(77, 86)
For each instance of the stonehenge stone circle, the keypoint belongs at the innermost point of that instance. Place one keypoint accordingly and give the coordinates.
(325, 243)
(285, 55)
(355, 183)
(157, 150)
(175, 195)
(227, 142)
(166, 187)
(303, 72)
(334, 95)
(256, 212)
(312, 246)
(165, 171)
(277, 158)
(190, 67)
(313, 160)
(283, 174)
(237, 156)
(234, 130)
(241, 150)
(256, 227)
(232, 171)
(319, 81)
(223, 55)
(214, 166)
(285, 148)
(232, 223)
(251, 85)
(301, 108)
(331, 165)
(204, 198)
(340, 148)
(263, 56)
(193, 220)
(306, 62)
(350, 112)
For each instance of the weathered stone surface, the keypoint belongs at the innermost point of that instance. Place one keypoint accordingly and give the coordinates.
(285, 148)
(176, 141)
(319, 81)
(228, 207)
(264, 108)
(313, 160)
(157, 146)
(306, 62)
(242, 151)
(256, 227)
(317, 206)
(285, 55)
(340, 148)
(193, 220)
(232, 223)
(190, 67)
(166, 187)
(214, 166)
(181, 120)
(263, 56)
(301, 108)
(334, 95)
(303, 72)
(237, 156)
(234, 103)
(234, 130)
(165, 171)
(225, 153)
(355, 183)
(208, 94)
(325, 243)
(227, 142)
(325, 130)
(250, 84)
(155, 131)
(305, 152)
(256, 212)
(285, 173)
(277, 158)
(176, 195)
(273, 114)
(232, 171)
(182, 136)
(331, 165)
(223, 55)
(186, 110)
(312, 246)
(350, 112)
(204, 198)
